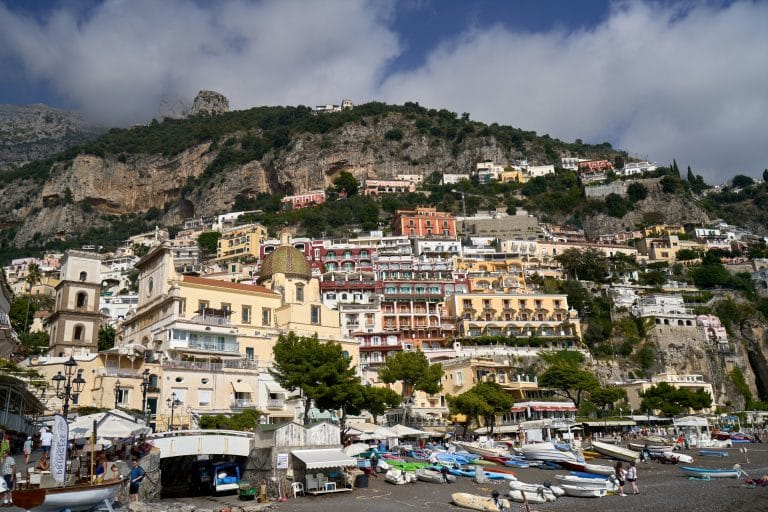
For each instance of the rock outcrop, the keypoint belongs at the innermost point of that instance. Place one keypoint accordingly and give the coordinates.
(209, 103)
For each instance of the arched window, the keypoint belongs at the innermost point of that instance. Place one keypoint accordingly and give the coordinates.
(83, 276)
(78, 332)
(81, 300)
(300, 293)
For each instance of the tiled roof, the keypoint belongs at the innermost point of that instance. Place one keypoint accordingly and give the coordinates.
(226, 284)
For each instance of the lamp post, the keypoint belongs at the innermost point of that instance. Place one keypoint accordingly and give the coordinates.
(117, 392)
(67, 387)
(144, 387)
(172, 403)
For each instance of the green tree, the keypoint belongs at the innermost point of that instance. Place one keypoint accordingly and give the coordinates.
(741, 181)
(710, 275)
(34, 342)
(604, 396)
(347, 182)
(570, 381)
(637, 191)
(587, 265)
(379, 399)
(415, 373)
(208, 242)
(765, 175)
(670, 400)
(106, 337)
(320, 370)
(652, 278)
(484, 400)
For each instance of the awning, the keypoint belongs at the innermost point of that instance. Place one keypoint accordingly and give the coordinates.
(499, 429)
(273, 387)
(554, 408)
(611, 423)
(324, 458)
(241, 387)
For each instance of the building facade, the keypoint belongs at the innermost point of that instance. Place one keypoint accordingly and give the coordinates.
(424, 222)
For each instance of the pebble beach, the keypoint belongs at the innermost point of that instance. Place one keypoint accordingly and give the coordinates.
(663, 488)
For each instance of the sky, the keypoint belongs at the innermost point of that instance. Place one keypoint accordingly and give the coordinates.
(660, 79)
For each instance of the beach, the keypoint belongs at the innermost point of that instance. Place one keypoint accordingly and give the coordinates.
(663, 487)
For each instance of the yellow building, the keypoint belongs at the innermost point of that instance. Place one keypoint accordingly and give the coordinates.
(214, 339)
(492, 276)
(240, 242)
(691, 382)
(514, 175)
(519, 315)
(665, 248)
(663, 229)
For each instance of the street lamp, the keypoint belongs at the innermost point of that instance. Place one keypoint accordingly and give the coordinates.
(117, 392)
(172, 403)
(71, 386)
(144, 387)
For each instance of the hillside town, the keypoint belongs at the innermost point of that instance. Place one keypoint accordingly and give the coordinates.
(179, 331)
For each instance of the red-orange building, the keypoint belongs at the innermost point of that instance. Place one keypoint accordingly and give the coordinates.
(595, 165)
(424, 222)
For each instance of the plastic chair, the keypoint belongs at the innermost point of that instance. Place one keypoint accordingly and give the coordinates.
(312, 484)
(298, 488)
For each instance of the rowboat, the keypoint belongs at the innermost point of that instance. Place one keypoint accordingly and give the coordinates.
(573, 465)
(586, 483)
(583, 492)
(598, 469)
(679, 457)
(77, 498)
(433, 476)
(698, 472)
(531, 497)
(713, 453)
(616, 452)
(550, 493)
(475, 502)
(546, 452)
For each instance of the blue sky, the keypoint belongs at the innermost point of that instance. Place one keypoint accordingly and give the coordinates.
(664, 80)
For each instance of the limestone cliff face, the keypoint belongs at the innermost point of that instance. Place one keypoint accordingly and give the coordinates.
(673, 209)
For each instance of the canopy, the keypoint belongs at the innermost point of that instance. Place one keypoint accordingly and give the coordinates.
(324, 458)
(368, 431)
(404, 431)
(113, 424)
(356, 448)
(691, 421)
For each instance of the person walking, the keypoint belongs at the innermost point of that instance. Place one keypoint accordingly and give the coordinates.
(137, 475)
(46, 437)
(621, 475)
(27, 449)
(632, 477)
(9, 474)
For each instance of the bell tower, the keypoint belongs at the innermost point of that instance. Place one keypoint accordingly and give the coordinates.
(74, 324)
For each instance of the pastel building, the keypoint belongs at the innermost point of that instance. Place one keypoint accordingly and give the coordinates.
(378, 187)
(304, 200)
(424, 222)
(691, 382)
(240, 242)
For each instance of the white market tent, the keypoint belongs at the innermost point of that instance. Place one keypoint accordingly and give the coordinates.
(369, 431)
(405, 431)
(112, 424)
(691, 421)
(324, 458)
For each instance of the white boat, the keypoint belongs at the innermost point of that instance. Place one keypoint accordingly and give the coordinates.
(586, 483)
(433, 476)
(549, 493)
(599, 469)
(76, 498)
(546, 452)
(679, 457)
(616, 452)
(400, 477)
(707, 473)
(475, 502)
(530, 497)
(577, 491)
(482, 449)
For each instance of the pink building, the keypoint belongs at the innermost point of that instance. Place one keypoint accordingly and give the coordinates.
(310, 198)
(712, 328)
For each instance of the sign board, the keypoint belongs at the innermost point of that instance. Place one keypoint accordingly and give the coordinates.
(282, 461)
(59, 448)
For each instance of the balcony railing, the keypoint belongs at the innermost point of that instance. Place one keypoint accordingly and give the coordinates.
(275, 403)
(235, 364)
(243, 403)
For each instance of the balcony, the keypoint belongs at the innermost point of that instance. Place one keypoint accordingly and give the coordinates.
(243, 403)
(211, 346)
(275, 403)
(232, 364)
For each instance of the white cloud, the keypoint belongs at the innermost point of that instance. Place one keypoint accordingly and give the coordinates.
(656, 81)
(119, 61)
(666, 82)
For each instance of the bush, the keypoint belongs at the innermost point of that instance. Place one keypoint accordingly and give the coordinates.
(394, 134)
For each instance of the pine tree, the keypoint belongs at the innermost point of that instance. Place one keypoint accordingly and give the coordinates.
(691, 178)
(765, 175)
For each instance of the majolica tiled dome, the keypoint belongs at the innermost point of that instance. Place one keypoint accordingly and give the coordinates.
(285, 260)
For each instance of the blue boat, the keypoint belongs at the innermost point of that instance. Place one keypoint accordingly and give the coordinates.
(713, 453)
(515, 463)
(582, 474)
(697, 472)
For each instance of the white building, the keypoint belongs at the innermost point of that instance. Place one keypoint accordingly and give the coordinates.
(667, 310)
(633, 168)
(536, 171)
(452, 179)
(571, 163)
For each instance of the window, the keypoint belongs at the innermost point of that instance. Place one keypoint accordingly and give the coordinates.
(182, 307)
(78, 332)
(459, 379)
(122, 396)
(299, 293)
(266, 316)
(246, 314)
(202, 305)
(204, 397)
(315, 315)
(226, 308)
(82, 300)
(249, 356)
(83, 276)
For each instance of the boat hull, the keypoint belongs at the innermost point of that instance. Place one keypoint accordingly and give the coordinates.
(710, 473)
(616, 452)
(598, 469)
(531, 497)
(581, 492)
(475, 502)
(433, 477)
(76, 498)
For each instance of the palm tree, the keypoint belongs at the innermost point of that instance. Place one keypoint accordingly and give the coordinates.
(33, 277)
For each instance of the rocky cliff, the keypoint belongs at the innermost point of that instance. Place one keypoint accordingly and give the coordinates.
(34, 132)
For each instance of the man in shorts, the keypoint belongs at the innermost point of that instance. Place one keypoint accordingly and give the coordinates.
(137, 475)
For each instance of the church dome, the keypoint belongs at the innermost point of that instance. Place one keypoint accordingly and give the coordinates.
(285, 260)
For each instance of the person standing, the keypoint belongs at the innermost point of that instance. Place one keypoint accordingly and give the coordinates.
(9, 474)
(5, 445)
(632, 477)
(46, 437)
(137, 475)
(621, 475)
(27, 449)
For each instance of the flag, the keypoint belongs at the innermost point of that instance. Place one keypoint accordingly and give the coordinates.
(59, 448)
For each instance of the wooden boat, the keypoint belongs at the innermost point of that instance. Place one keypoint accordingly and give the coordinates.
(698, 472)
(475, 502)
(713, 453)
(77, 498)
(577, 491)
(616, 452)
(433, 476)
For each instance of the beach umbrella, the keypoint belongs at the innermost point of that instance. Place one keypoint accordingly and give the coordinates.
(356, 449)
(405, 431)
